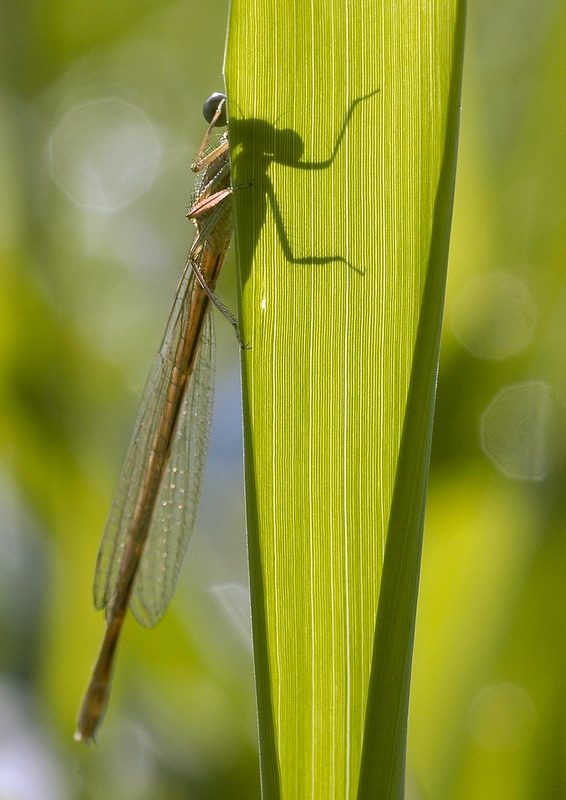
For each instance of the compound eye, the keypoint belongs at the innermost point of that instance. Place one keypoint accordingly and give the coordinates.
(211, 107)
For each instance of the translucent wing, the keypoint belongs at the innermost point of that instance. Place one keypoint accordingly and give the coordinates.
(179, 495)
(188, 458)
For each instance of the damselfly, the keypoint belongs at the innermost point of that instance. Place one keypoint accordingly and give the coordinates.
(156, 500)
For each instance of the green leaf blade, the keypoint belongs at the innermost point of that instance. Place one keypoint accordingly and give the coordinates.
(334, 244)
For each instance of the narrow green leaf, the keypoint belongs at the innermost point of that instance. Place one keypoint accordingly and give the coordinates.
(338, 116)
(383, 763)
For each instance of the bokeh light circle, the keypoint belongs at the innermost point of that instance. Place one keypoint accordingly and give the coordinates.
(104, 154)
(494, 315)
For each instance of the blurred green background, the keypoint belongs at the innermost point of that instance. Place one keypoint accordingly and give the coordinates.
(99, 120)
